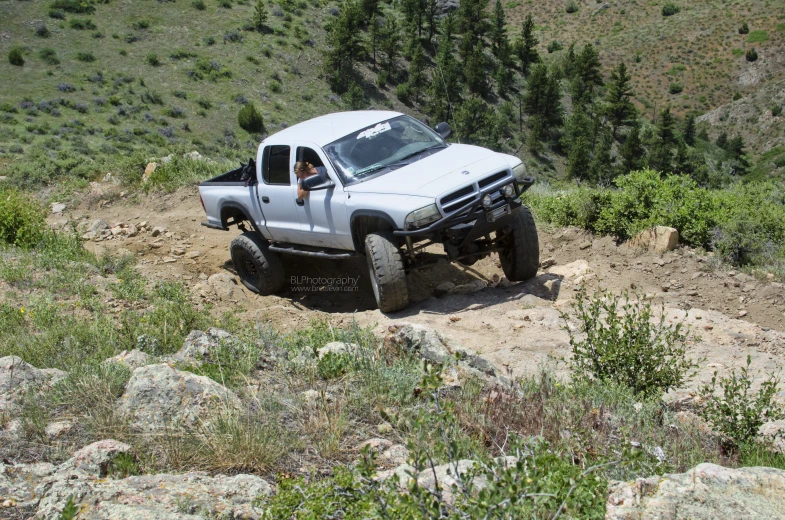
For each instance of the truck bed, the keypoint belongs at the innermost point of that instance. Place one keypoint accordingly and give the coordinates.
(237, 177)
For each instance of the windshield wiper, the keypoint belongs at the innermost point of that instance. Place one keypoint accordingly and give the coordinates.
(418, 152)
(369, 169)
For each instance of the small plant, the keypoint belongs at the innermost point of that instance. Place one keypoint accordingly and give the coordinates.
(572, 7)
(199, 5)
(56, 14)
(776, 110)
(85, 57)
(381, 78)
(744, 29)
(554, 46)
(333, 365)
(276, 87)
(751, 55)
(42, 31)
(21, 219)
(204, 103)
(738, 413)
(675, 88)
(153, 60)
(757, 37)
(15, 56)
(250, 119)
(260, 16)
(82, 24)
(141, 25)
(74, 6)
(623, 346)
(48, 56)
(69, 511)
(124, 465)
(669, 9)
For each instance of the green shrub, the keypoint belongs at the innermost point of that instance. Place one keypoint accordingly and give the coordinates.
(276, 87)
(333, 365)
(675, 88)
(744, 29)
(81, 24)
(250, 120)
(738, 413)
(199, 5)
(624, 347)
(403, 92)
(42, 31)
(140, 25)
(669, 9)
(22, 219)
(757, 37)
(381, 78)
(74, 6)
(751, 55)
(48, 56)
(572, 7)
(554, 46)
(776, 110)
(152, 59)
(85, 57)
(15, 56)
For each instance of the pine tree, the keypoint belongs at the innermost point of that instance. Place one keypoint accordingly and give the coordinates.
(536, 135)
(445, 88)
(369, 9)
(412, 41)
(390, 43)
(587, 75)
(504, 71)
(432, 18)
(601, 166)
(417, 73)
(527, 45)
(471, 120)
(568, 67)
(664, 141)
(722, 141)
(473, 24)
(578, 160)
(260, 16)
(578, 124)
(681, 161)
(631, 153)
(474, 72)
(498, 29)
(344, 47)
(543, 96)
(619, 108)
(689, 130)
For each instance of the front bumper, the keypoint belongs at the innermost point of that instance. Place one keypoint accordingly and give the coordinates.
(472, 221)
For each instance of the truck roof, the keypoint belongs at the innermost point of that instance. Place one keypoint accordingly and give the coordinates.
(325, 129)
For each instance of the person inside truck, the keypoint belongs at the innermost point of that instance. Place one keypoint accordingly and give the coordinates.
(303, 170)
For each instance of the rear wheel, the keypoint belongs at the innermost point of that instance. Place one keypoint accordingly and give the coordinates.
(520, 256)
(388, 277)
(259, 269)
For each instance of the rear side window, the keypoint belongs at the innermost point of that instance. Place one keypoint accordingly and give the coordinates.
(275, 165)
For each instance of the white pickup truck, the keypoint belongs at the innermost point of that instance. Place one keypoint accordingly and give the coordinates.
(389, 187)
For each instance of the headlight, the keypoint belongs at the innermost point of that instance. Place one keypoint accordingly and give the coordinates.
(519, 171)
(422, 217)
(508, 191)
(487, 201)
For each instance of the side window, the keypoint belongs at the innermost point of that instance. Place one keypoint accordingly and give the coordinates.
(309, 156)
(275, 165)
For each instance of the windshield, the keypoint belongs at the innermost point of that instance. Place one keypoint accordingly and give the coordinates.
(382, 148)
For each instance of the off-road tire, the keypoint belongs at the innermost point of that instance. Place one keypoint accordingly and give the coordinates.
(388, 277)
(260, 269)
(520, 257)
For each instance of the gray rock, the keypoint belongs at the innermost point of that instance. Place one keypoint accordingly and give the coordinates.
(706, 492)
(57, 207)
(158, 396)
(471, 287)
(336, 347)
(132, 359)
(444, 288)
(17, 482)
(225, 287)
(774, 433)
(98, 225)
(17, 377)
(445, 476)
(199, 346)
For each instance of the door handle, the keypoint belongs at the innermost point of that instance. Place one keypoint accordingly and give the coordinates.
(299, 202)
(265, 199)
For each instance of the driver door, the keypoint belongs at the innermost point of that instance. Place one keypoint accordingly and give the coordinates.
(323, 218)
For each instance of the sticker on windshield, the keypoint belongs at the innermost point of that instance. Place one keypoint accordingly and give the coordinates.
(376, 130)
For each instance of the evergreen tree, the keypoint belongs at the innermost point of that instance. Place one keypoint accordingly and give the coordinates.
(412, 41)
(568, 66)
(473, 24)
(543, 96)
(587, 75)
(664, 141)
(504, 71)
(414, 14)
(578, 124)
(260, 16)
(601, 166)
(689, 130)
(619, 108)
(631, 153)
(527, 45)
(445, 88)
(343, 47)
(578, 160)
(417, 73)
(369, 8)
(703, 134)
(536, 135)
(498, 29)
(471, 120)
(682, 162)
(374, 37)
(432, 18)
(390, 43)
(475, 72)
(738, 155)
(722, 141)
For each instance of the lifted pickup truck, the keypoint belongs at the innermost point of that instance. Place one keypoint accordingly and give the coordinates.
(389, 187)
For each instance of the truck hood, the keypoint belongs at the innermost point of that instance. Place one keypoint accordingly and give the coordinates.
(453, 167)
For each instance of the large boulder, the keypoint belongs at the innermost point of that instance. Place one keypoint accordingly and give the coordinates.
(17, 377)
(659, 239)
(131, 359)
(704, 493)
(158, 396)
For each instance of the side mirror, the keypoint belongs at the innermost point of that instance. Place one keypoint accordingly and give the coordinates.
(443, 129)
(317, 182)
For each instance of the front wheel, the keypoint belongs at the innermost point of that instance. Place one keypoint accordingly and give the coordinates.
(260, 269)
(520, 255)
(388, 277)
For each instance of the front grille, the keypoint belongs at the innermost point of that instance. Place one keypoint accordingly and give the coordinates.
(470, 193)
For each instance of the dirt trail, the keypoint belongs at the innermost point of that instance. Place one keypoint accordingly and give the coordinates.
(516, 325)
